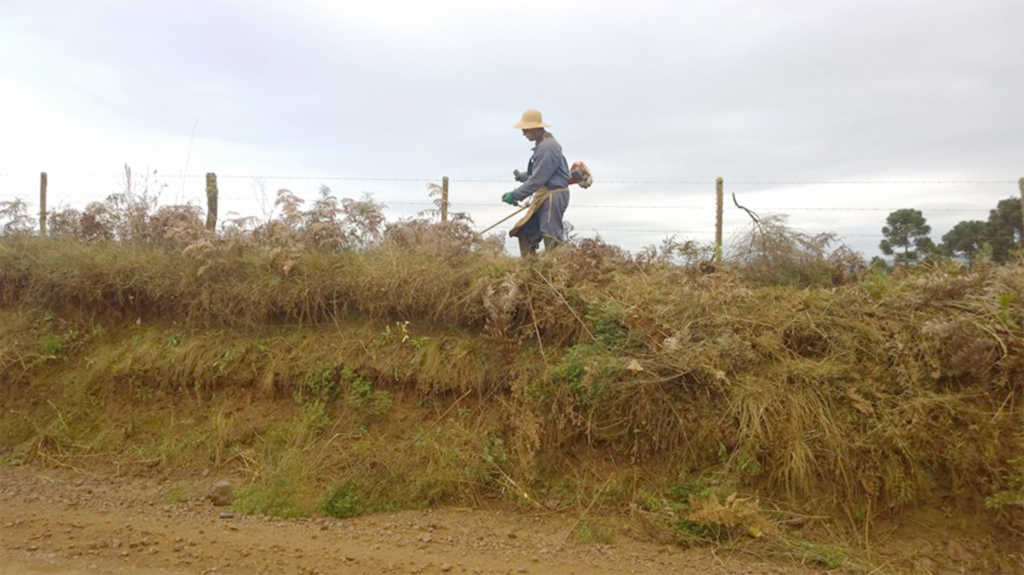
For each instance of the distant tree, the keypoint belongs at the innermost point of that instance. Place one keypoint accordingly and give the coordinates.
(1005, 229)
(966, 238)
(908, 230)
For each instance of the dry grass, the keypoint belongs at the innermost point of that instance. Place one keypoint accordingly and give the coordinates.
(887, 389)
(867, 396)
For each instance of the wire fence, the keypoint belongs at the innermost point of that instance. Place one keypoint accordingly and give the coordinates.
(630, 213)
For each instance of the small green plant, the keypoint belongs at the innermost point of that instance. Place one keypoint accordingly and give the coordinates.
(401, 333)
(587, 368)
(307, 425)
(276, 497)
(343, 502)
(319, 385)
(1014, 494)
(12, 457)
(223, 362)
(745, 459)
(679, 505)
(687, 530)
(52, 344)
(648, 501)
(588, 532)
(1005, 300)
(495, 451)
(362, 396)
(701, 487)
(875, 283)
(823, 554)
(608, 329)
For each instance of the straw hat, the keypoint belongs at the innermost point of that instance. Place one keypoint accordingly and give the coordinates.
(531, 119)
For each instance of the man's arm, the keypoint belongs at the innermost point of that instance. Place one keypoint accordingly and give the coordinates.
(545, 162)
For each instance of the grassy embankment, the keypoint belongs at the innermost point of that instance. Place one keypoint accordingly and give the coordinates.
(689, 406)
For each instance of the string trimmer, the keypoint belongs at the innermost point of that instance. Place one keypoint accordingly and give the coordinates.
(579, 174)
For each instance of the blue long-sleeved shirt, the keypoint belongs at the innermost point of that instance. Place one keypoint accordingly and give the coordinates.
(547, 168)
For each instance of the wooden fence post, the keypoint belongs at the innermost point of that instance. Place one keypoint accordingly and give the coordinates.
(42, 203)
(211, 201)
(444, 199)
(718, 220)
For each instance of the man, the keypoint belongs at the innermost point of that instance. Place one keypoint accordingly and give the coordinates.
(547, 180)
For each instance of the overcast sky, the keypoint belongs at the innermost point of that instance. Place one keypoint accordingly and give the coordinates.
(757, 92)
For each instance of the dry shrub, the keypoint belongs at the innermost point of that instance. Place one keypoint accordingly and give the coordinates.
(770, 252)
(91, 224)
(15, 217)
(503, 301)
(451, 239)
(131, 216)
(734, 512)
(176, 225)
(593, 260)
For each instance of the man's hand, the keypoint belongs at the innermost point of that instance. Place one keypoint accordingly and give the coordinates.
(509, 198)
(520, 177)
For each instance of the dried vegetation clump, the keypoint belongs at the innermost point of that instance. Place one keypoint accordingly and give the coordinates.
(860, 389)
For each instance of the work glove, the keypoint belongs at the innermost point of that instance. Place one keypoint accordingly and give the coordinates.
(520, 177)
(509, 198)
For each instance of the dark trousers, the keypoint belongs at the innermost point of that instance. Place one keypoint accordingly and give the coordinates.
(528, 245)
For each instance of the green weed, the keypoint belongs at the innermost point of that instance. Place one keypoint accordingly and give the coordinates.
(876, 283)
(1013, 495)
(589, 532)
(680, 495)
(52, 344)
(1005, 302)
(12, 457)
(319, 385)
(607, 325)
(343, 501)
(495, 451)
(302, 430)
(823, 554)
(367, 402)
(586, 368)
(701, 487)
(276, 497)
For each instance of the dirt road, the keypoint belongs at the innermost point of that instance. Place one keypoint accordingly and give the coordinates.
(55, 521)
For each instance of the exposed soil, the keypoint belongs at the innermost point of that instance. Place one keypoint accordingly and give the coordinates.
(78, 523)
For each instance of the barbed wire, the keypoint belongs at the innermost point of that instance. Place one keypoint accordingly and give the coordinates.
(328, 178)
(492, 181)
(453, 205)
